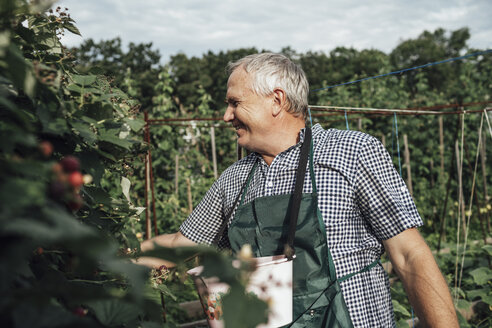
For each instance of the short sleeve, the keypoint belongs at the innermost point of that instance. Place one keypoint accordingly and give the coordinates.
(381, 193)
(204, 222)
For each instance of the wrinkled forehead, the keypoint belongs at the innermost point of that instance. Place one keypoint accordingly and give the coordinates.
(240, 79)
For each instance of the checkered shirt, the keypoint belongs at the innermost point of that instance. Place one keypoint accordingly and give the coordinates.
(362, 198)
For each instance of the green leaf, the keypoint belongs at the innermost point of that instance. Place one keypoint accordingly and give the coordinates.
(400, 308)
(488, 249)
(20, 70)
(99, 111)
(52, 123)
(481, 275)
(487, 299)
(166, 291)
(476, 293)
(125, 187)
(84, 80)
(98, 195)
(45, 315)
(32, 191)
(74, 87)
(50, 42)
(92, 164)
(150, 324)
(462, 321)
(115, 140)
(179, 254)
(463, 304)
(239, 306)
(38, 7)
(137, 275)
(402, 323)
(114, 312)
(105, 154)
(72, 28)
(85, 132)
(135, 124)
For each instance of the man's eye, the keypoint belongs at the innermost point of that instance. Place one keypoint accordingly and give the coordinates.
(232, 103)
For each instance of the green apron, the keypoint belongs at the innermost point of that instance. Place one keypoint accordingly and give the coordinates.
(264, 224)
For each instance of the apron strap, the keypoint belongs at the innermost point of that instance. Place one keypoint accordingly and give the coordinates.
(245, 187)
(311, 168)
(364, 269)
(289, 250)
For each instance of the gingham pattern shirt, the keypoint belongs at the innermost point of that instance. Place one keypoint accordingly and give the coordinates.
(362, 198)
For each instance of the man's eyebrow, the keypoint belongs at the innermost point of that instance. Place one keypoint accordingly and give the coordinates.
(230, 99)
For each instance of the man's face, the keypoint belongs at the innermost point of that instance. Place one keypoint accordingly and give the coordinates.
(248, 112)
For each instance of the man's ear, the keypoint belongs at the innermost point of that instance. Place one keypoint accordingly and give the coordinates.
(279, 101)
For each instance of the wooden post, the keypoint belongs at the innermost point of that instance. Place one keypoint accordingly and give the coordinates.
(190, 200)
(461, 201)
(441, 144)
(176, 174)
(442, 223)
(148, 230)
(407, 164)
(484, 179)
(383, 140)
(214, 155)
(432, 173)
(475, 191)
(359, 124)
(152, 189)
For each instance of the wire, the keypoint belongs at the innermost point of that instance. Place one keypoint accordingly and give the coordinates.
(468, 214)
(334, 109)
(487, 117)
(413, 109)
(397, 142)
(478, 53)
(378, 110)
(413, 113)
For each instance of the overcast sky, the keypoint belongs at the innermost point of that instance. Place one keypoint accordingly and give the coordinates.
(197, 26)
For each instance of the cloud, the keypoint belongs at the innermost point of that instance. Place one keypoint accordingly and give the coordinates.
(194, 27)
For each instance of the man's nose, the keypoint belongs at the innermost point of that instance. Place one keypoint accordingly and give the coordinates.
(229, 114)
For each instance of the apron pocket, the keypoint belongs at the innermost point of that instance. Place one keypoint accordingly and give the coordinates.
(327, 311)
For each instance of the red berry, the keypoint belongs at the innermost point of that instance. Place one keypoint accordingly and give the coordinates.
(80, 311)
(76, 203)
(57, 168)
(46, 148)
(70, 164)
(57, 190)
(76, 179)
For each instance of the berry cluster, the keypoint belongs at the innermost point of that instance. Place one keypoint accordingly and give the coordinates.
(67, 181)
(159, 275)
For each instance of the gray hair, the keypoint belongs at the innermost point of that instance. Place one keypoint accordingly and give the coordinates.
(270, 71)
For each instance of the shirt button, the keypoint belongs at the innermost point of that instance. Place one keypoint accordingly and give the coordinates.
(269, 184)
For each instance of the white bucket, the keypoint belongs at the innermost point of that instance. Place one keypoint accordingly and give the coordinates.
(271, 282)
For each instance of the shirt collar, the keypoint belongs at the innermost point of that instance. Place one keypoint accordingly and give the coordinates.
(316, 129)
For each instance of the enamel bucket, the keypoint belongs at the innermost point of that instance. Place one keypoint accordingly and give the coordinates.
(271, 282)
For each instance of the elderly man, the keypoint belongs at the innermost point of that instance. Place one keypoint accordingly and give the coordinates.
(354, 206)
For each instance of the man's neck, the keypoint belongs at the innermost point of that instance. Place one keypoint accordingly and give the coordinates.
(285, 137)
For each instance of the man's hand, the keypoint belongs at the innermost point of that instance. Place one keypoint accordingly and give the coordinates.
(170, 240)
(423, 282)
